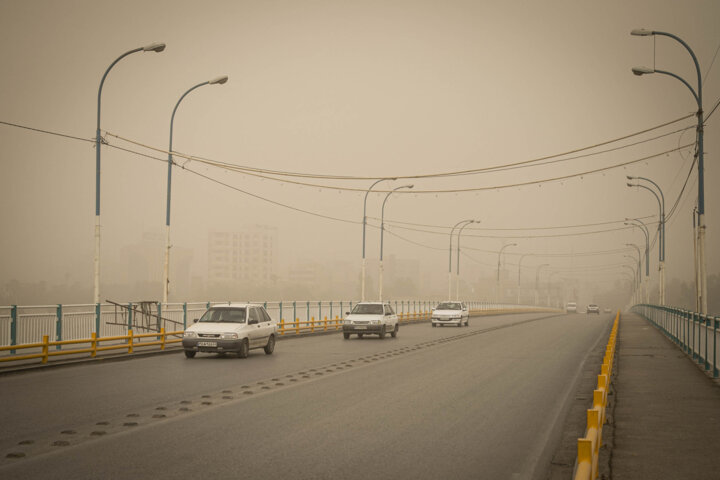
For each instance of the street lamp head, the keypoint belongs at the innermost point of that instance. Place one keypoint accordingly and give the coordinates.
(512, 245)
(630, 177)
(642, 70)
(630, 184)
(409, 186)
(641, 32)
(219, 80)
(154, 47)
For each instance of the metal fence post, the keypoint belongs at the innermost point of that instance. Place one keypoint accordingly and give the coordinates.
(716, 322)
(280, 312)
(58, 326)
(307, 311)
(185, 316)
(13, 327)
(97, 319)
(707, 331)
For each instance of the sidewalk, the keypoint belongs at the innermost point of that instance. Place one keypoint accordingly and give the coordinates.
(666, 417)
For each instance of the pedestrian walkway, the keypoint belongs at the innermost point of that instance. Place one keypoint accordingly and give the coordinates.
(666, 412)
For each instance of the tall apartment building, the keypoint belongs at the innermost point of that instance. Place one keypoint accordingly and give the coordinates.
(249, 255)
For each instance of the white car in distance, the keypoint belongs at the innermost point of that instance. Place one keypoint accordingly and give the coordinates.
(375, 318)
(235, 327)
(451, 313)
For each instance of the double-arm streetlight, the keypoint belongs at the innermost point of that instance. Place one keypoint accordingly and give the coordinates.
(467, 222)
(382, 230)
(457, 271)
(661, 228)
(153, 47)
(166, 270)
(702, 290)
(362, 291)
(497, 281)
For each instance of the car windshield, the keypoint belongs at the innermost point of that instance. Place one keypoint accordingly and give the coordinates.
(224, 315)
(367, 309)
(449, 306)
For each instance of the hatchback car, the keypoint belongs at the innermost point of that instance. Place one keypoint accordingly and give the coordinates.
(450, 313)
(235, 327)
(375, 318)
(592, 308)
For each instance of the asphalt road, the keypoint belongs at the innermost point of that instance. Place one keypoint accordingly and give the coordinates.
(484, 401)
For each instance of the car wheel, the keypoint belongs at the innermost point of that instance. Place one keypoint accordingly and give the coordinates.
(382, 332)
(434, 325)
(346, 336)
(360, 335)
(393, 334)
(190, 353)
(244, 349)
(270, 347)
(467, 322)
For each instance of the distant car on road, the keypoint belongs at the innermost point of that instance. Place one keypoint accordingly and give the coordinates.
(571, 307)
(451, 313)
(607, 310)
(376, 318)
(592, 308)
(235, 327)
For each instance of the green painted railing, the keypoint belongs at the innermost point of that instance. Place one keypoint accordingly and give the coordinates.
(695, 334)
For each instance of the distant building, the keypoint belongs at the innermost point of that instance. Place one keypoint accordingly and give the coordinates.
(247, 256)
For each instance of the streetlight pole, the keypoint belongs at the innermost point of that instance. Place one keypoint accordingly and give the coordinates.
(362, 288)
(497, 282)
(661, 229)
(537, 279)
(153, 47)
(457, 278)
(639, 265)
(382, 230)
(700, 154)
(166, 270)
(643, 228)
(450, 256)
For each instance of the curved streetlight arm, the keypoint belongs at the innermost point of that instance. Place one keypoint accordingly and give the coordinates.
(365, 210)
(450, 248)
(382, 216)
(500, 254)
(457, 270)
(661, 225)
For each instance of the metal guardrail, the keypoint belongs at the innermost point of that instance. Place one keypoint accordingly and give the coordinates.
(695, 334)
(91, 345)
(586, 467)
(128, 342)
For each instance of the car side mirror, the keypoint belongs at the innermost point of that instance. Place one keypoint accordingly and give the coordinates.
(347, 313)
(252, 322)
(196, 320)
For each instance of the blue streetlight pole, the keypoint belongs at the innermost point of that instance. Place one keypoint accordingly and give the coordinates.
(362, 291)
(166, 271)
(702, 290)
(382, 230)
(153, 47)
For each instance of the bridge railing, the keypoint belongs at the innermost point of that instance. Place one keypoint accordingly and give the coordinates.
(30, 332)
(696, 334)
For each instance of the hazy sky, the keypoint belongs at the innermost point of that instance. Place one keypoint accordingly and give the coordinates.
(364, 89)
